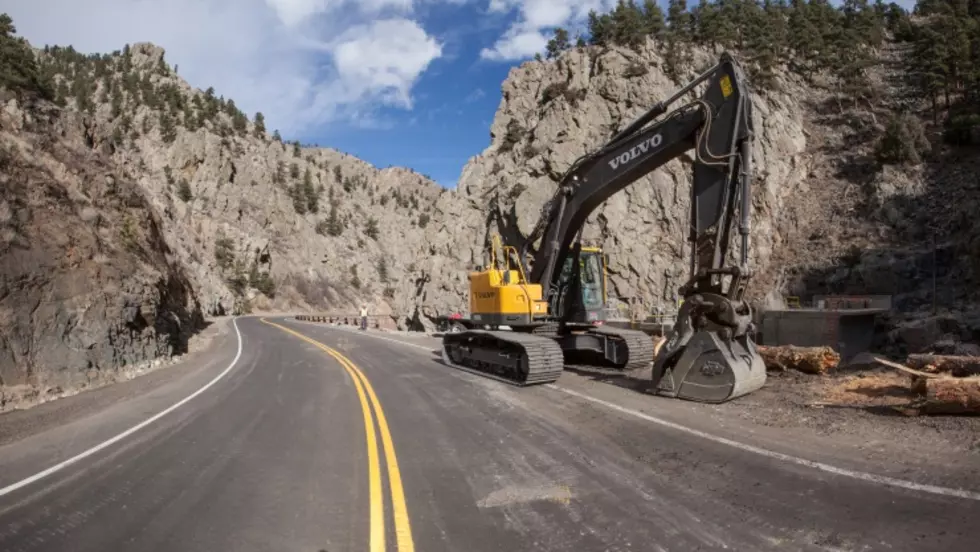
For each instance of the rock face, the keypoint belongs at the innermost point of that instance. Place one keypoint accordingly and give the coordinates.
(827, 218)
(552, 113)
(256, 222)
(88, 282)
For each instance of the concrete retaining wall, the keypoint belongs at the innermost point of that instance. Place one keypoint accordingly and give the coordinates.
(847, 331)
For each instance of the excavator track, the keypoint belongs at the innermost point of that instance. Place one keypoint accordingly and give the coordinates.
(639, 346)
(512, 357)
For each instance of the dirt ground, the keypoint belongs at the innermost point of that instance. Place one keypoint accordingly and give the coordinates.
(862, 401)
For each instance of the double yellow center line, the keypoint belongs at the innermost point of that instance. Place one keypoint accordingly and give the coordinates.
(403, 529)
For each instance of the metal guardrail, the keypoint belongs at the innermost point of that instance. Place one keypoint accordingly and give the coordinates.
(376, 321)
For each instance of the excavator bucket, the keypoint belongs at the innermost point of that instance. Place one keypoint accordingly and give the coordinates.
(711, 370)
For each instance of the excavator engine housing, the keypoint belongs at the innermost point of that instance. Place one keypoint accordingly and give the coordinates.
(501, 298)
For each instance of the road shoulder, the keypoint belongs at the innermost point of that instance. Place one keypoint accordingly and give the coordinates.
(214, 344)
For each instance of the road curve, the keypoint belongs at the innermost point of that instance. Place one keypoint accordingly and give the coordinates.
(275, 455)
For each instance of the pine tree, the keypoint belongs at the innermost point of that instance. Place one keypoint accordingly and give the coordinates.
(679, 20)
(805, 38)
(557, 44)
(653, 19)
(334, 226)
(628, 23)
(767, 35)
(600, 29)
(298, 197)
(168, 130)
(116, 103)
(677, 55)
(239, 122)
(259, 124)
(929, 67)
(310, 193)
(18, 67)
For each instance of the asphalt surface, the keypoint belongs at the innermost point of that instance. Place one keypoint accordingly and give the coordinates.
(274, 455)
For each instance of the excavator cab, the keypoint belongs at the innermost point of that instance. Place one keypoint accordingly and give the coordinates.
(591, 285)
(501, 295)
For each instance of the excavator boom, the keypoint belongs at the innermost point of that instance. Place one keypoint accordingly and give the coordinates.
(720, 122)
(710, 356)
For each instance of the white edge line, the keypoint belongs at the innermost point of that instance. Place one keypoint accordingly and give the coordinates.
(58, 467)
(864, 476)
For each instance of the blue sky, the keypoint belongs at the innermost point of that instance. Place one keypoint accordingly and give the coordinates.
(454, 102)
(411, 83)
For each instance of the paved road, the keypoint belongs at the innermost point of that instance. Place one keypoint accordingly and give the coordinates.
(275, 455)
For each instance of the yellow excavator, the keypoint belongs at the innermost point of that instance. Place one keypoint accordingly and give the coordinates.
(500, 294)
(528, 312)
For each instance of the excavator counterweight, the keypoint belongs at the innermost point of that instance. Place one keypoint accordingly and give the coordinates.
(710, 356)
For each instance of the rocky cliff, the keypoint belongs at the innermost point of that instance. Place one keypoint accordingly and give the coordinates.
(836, 207)
(552, 112)
(283, 226)
(89, 284)
(257, 222)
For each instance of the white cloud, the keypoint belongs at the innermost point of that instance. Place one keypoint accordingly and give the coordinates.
(529, 34)
(516, 43)
(303, 63)
(292, 12)
(386, 56)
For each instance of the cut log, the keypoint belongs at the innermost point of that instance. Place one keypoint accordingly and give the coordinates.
(810, 360)
(958, 366)
(949, 395)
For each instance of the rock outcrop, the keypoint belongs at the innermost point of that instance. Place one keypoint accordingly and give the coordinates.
(257, 222)
(89, 284)
(554, 112)
(827, 216)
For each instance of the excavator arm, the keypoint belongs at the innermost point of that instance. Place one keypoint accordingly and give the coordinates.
(710, 356)
(718, 127)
